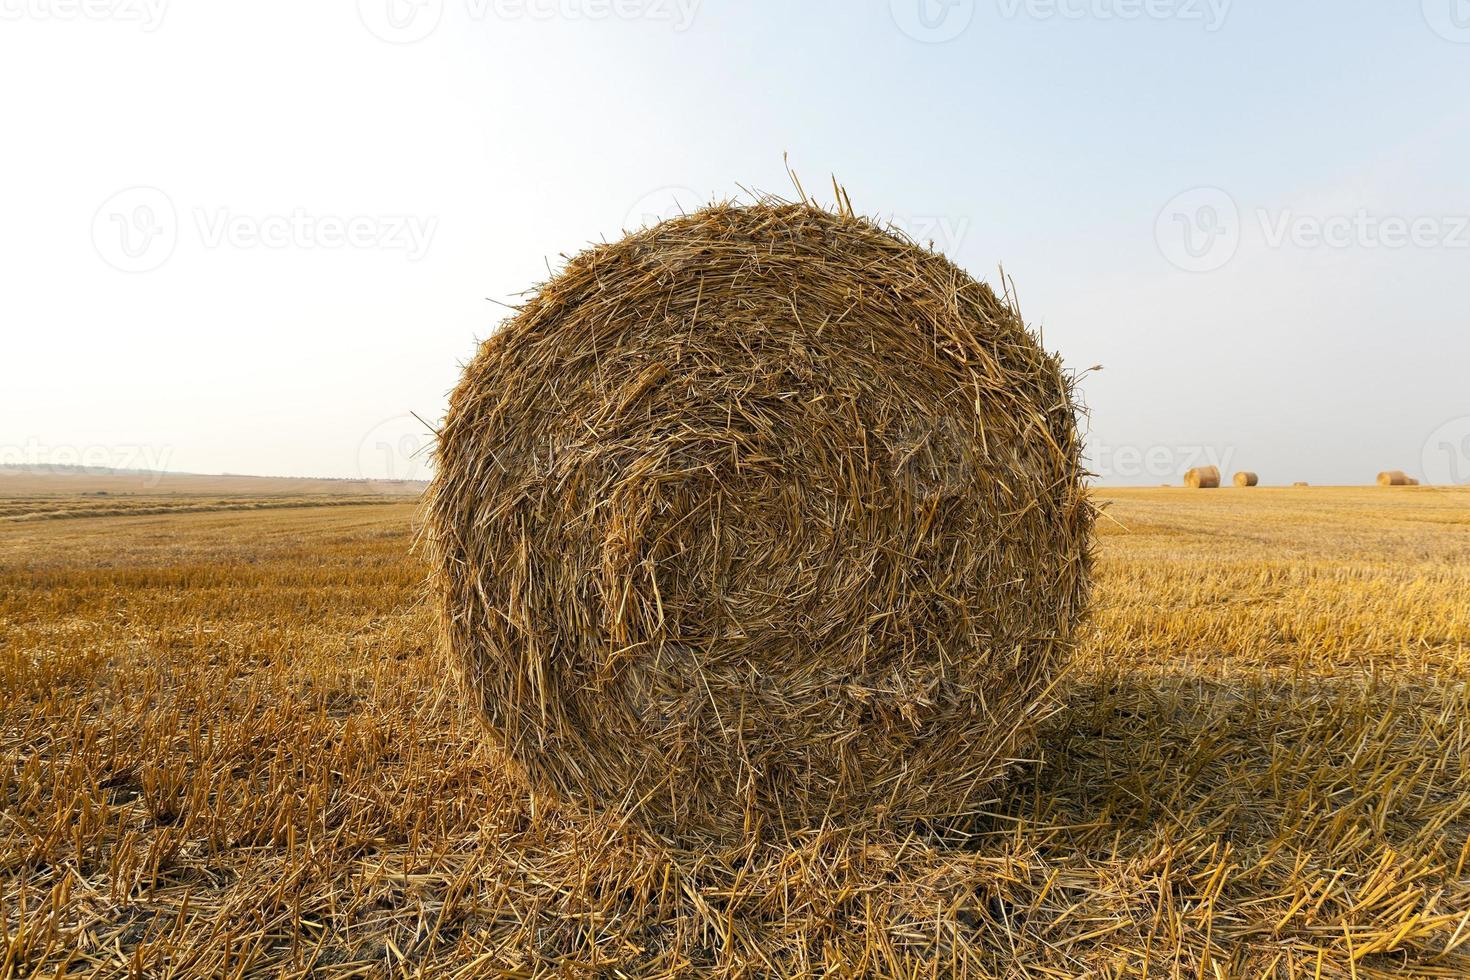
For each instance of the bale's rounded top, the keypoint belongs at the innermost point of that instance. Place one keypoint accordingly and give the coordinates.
(760, 517)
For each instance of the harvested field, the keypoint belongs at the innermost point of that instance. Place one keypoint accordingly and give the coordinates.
(230, 749)
(72, 482)
(16, 509)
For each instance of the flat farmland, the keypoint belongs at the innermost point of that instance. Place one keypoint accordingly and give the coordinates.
(230, 747)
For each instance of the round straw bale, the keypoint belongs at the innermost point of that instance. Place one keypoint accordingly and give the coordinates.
(1301, 483)
(759, 518)
(1393, 478)
(1202, 477)
(1245, 478)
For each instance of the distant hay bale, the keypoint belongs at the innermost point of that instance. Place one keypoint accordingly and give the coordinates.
(760, 518)
(1206, 477)
(1301, 483)
(1413, 482)
(1393, 478)
(1246, 478)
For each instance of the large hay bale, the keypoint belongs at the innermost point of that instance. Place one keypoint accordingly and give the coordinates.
(1393, 478)
(759, 518)
(1207, 477)
(1245, 478)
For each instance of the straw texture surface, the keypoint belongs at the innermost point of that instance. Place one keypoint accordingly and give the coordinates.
(758, 519)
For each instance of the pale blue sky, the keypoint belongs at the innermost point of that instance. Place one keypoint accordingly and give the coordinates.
(254, 238)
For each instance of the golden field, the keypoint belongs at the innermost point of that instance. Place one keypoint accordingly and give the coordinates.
(230, 748)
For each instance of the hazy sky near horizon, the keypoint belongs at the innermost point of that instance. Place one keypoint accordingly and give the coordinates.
(262, 238)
